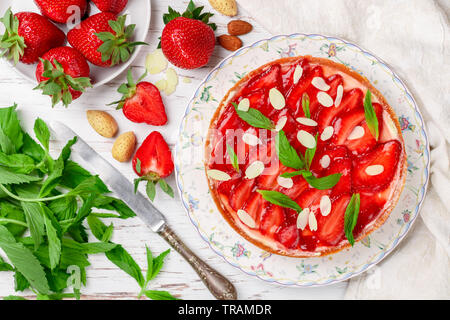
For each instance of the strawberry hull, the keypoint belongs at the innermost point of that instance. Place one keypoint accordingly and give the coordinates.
(373, 168)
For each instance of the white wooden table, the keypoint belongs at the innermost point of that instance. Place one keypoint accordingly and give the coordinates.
(105, 280)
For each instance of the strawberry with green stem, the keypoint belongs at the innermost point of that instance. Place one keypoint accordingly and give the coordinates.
(104, 39)
(188, 39)
(141, 102)
(63, 74)
(152, 163)
(28, 36)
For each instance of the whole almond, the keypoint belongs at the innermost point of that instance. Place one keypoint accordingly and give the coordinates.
(231, 43)
(239, 27)
(226, 7)
(124, 146)
(103, 123)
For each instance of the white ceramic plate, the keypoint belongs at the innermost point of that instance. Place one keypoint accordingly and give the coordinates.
(138, 11)
(195, 194)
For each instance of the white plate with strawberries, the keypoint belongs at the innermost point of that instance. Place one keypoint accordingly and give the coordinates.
(195, 193)
(138, 13)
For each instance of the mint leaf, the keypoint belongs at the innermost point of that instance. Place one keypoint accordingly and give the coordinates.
(35, 219)
(5, 266)
(20, 282)
(157, 265)
(323, 183)
(9, 177)
(121, 258)
(279, 199)
(371, 116)
(18, 163)
(10, 126)
(254, 118)
(24, 261)
(159, 295)
(293, 174)
(233, 158)
(149, 273)
(351, 217)
(54, 243)
(42, 133)
(286, 153)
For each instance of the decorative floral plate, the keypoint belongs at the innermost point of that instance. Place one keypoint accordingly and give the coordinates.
(195, 194)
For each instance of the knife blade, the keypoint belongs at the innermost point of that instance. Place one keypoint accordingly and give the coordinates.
(219, 286)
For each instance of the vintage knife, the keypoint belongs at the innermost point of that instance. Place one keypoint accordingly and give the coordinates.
(219, 286)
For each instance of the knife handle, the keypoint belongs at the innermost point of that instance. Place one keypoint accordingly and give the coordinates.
(220, 287)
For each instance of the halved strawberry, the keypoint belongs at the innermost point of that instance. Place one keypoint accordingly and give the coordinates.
(350, 100)
(294, 96)
(288, 236)
(344, 167)
(153, 162)
(241, 193)
(271, 78)
(141, 102)
(319, 163)
(288, 74)
(311, 198)
(385, 155)
(330, 229)
(272, 217)
(253, 207)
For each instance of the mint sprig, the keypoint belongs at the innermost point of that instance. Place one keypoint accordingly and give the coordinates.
(287, 153)
(280, 199)
(371, 116)
(254, 118)
(351, 217)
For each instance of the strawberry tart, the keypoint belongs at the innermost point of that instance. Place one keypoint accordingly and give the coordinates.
(304, 157)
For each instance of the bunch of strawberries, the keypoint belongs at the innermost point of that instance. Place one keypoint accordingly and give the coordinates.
(63, 72)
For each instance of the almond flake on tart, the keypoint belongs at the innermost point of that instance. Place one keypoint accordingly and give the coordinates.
(337, 133)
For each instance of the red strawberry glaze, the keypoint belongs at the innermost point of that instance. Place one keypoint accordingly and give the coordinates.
(350, 150)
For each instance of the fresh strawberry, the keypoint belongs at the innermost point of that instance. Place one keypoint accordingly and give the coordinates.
(385, 155)
(104, 39)
(114, 6)
(272, 217)
(28, 36)
(153, 162)
(371, 204)
(62, 10)
(344, 167)
(331, 228)
(188, 40)
(141, 102)
(63, 74)
(253, 207)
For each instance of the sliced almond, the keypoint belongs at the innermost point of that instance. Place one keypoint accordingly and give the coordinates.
(277, 99)
(320, 84)
(161, 84)
(172, 81)
(339, 94)
(306, 139)
(285, 182)
(280, 123)
(250, 139)
(357, 132)
(302, 219)
(156, 62)
(324, 99)
(312, 221)
(374, 170)
(254, 169)
(298, 72)
(325, 161)
(244, 105)
(327, 133)
(325, 205)
(246, 219)
(307, 121)
(218, 175)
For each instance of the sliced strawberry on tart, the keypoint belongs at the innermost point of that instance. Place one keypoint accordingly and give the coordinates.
(305, 157)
